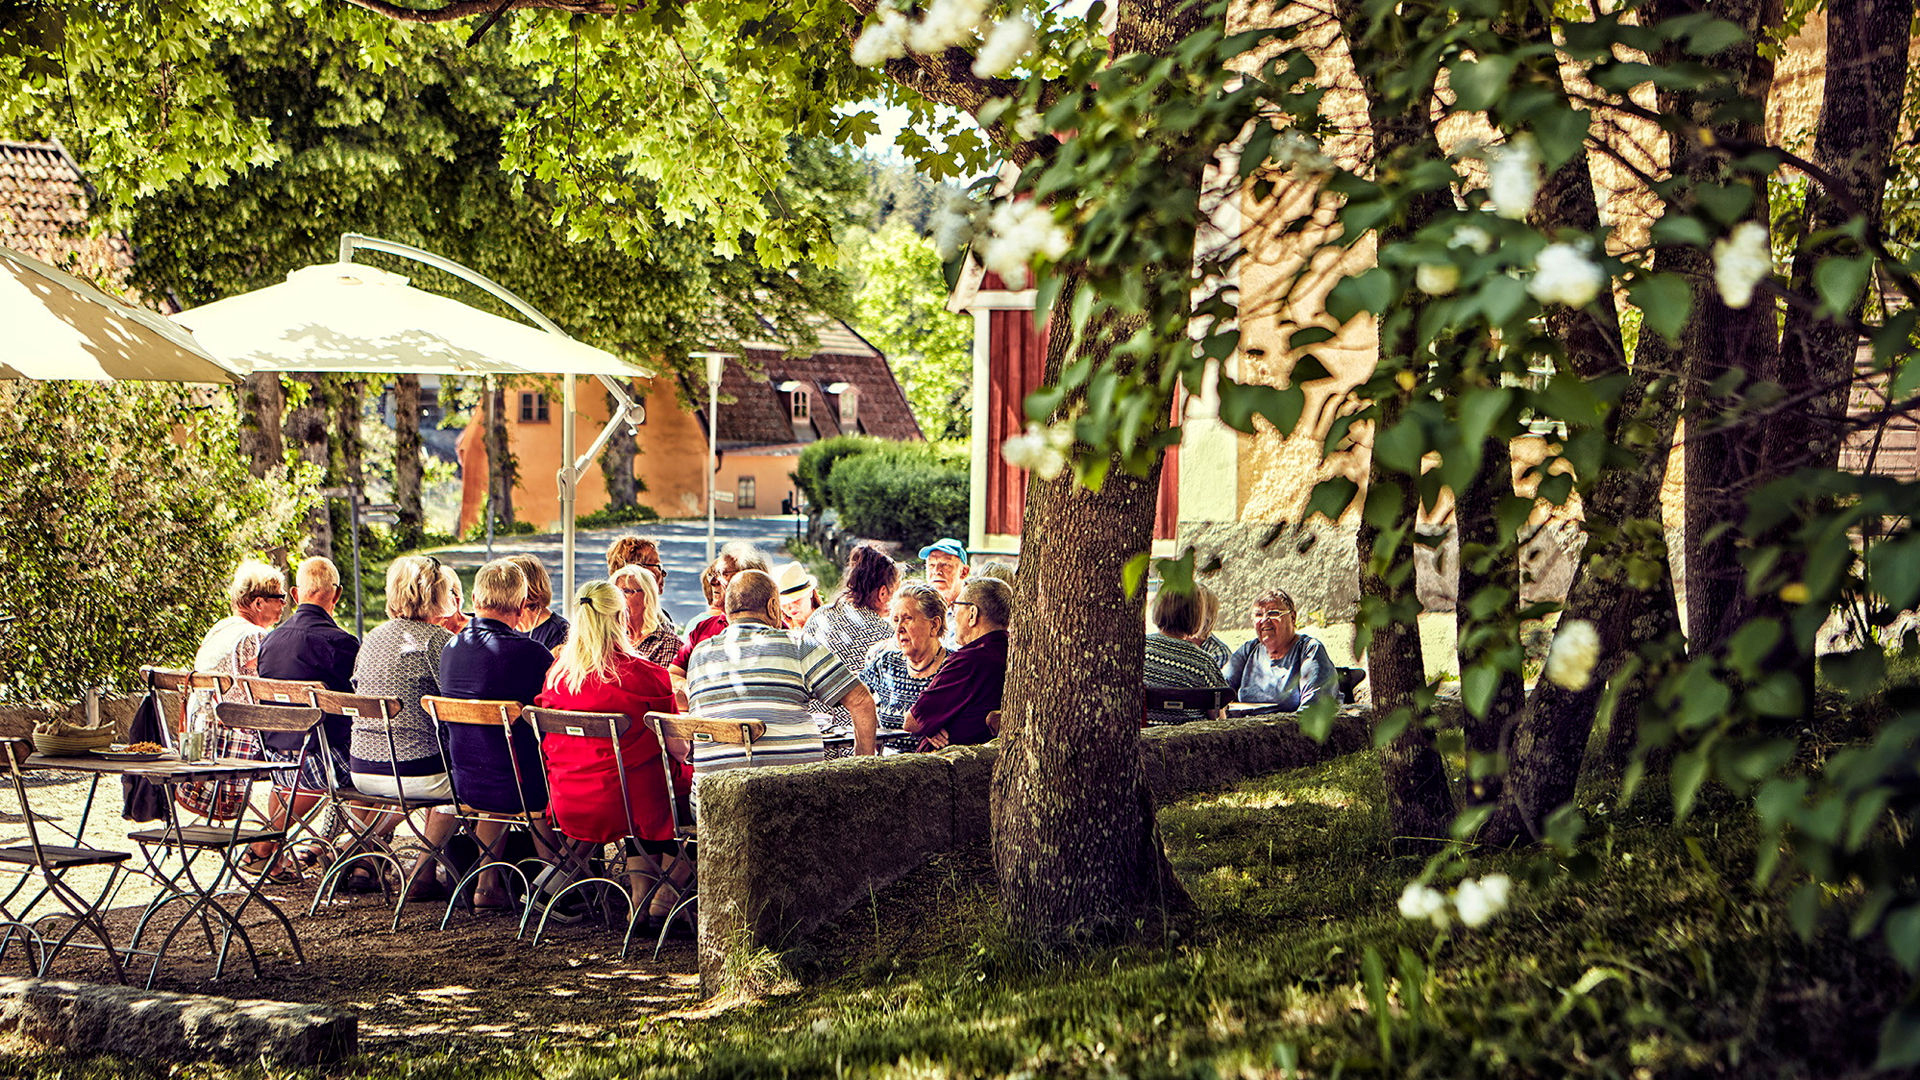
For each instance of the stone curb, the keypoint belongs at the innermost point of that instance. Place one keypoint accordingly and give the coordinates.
(136, 1023)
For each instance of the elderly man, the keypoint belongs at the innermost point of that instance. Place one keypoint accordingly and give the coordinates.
(946, 560)
(953, 709)
(1280, 666)
(310, 646)
(753, 670)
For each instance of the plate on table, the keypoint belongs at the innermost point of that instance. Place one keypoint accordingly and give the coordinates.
(121, 753)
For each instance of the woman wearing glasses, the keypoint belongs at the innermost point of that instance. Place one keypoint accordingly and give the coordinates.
(1280, 666)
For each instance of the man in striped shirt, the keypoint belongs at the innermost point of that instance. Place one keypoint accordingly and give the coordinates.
(754, 670)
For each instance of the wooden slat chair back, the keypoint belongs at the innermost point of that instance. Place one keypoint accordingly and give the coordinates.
(173, 690)
(264, 691)
(689, 728)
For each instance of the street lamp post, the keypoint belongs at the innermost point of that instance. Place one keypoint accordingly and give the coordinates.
(716, 362)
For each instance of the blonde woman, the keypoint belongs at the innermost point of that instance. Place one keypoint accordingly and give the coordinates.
(453, 619)
(596, 671)
(541, 624)
(640, 596)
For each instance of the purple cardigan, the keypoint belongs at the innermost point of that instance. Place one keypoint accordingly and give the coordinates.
(965, 689)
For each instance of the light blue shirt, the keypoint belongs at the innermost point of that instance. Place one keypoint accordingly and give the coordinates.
(1257, 677)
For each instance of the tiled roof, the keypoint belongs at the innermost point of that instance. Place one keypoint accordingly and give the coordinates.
(759, 412)
(43, 213)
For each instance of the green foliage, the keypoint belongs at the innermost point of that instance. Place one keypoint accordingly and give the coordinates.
(478, 530)
(899, 304)
(815, 466)
(125, 512)
(913, 493)
(621, 515)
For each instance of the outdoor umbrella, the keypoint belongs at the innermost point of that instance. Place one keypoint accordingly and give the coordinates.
(347, 316)
(352, 317)
(59, 327)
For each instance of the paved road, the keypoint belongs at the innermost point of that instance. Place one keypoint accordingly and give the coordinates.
(683, 548)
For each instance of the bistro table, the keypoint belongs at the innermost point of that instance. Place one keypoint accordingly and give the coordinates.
(181, 885)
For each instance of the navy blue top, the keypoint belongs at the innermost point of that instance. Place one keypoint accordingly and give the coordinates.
(311, 646)
(550, 635)
(492, 661)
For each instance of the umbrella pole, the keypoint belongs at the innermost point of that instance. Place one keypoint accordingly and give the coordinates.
(568, 476)
(487, 442)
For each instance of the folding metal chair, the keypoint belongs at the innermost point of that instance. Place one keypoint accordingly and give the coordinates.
(315, 827)
(228, 841)
(365, 842)
(686, 831)
(49, 863)
(575, 864)
(500, 716)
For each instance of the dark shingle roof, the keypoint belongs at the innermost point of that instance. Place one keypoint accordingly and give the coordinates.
(43, 213)
(758, 414)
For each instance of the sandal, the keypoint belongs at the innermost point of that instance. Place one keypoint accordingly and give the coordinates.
(273, 874)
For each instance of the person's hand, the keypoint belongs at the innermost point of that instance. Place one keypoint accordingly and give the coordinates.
(937, 740)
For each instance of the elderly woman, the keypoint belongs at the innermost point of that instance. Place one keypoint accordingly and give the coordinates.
(400, 658)
(542, 624)
(799, 595)
(644, 552)
(597, 671)
(897, 672)
(1174, 660)
(454, 618)
(647, 636)
(953, 709)
(1203, 634)
(856, 620)
(1280, 666)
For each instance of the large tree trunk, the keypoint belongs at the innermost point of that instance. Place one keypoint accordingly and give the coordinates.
(502, 468)
(616, 461)
(344, 455)
(1074, 840)
(1865, 78)
(307, 429)
(1489, 560)
(261, 404)
(410, 529)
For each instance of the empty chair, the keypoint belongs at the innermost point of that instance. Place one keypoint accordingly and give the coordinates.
(678, 727)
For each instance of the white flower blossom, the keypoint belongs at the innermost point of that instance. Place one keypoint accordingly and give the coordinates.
(882, 41)
(1300, 152)
(1477, 902)
(1420, 901)
(1513, 177)
(1040, 450)
(1436, 279)
(1018, 231)
(1473, 238)
(1741, 261)
(1029, 124)
(947, 23)
(1009, 40)
(954, 226)
(1564, 275)
(1576, 649)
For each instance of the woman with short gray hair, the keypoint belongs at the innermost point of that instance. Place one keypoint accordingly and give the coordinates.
(954, 708)
(898, 671)
(1281, 666)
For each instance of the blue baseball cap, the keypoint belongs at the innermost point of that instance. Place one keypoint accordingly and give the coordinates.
(947, 544)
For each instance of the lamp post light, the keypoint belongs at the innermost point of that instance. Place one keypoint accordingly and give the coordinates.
(716, 363)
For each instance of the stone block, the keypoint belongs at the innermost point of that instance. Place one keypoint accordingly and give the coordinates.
(783, 850)
(1208, 755)
(972, 790)
(152, 1024)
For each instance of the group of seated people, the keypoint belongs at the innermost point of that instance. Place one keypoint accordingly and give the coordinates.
(881, 657)
(1280, 668)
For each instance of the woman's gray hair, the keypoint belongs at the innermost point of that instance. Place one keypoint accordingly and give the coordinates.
(416, 589)
(990, 597)
(1275, 596)
(925, 598)
(253, 580)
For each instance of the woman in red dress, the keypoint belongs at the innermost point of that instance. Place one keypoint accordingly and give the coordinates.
(595, 672)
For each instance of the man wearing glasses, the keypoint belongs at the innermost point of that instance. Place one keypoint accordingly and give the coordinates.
(1280, 666)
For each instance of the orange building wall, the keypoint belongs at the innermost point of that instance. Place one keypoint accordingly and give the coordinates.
(772, 476)
(673, 447)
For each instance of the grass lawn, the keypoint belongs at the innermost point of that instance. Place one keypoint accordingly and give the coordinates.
(1654, 959)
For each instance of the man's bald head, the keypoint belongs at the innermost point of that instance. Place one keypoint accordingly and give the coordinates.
(750, 595)
(318, 582)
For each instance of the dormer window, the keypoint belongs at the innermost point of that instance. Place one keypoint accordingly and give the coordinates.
(797, 403)
(849, 396)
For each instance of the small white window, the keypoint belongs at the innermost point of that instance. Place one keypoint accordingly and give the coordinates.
(743, 498)
(799, 404)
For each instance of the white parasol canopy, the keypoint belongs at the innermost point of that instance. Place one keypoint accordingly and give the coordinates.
(59, 327)
(349, 316)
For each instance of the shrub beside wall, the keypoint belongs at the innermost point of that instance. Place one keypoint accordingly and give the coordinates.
(907, 492)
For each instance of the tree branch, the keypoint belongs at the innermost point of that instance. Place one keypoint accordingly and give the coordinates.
(455, 10)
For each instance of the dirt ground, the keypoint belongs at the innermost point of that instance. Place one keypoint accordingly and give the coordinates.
(475, 980)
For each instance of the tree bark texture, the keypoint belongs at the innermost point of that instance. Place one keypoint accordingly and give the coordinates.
(616, 463)
(261, 404)
(410, 529)
(307, 429)
(1489, 561)
(1075, 845)
(502, 468)
(1723, 458)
